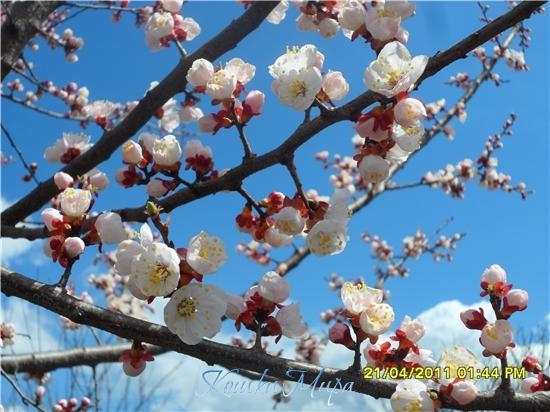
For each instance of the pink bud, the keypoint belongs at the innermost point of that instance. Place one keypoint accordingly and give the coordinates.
(40, 391)
(531, 364)
(516, 300)
(473, 319)
(463, 392)
(339, 333)
(207, 123)
(131, 152)
(254, 101)
(74, 246)
(85, 401)
(408, 112)
(130, 370)
(156, 188)
(73, 402)
(62, 180)
(529, 385)
(50, 216)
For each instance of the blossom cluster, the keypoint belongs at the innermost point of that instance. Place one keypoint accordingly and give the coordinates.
(324, 224)
(7, 334)
(255, 311)
(299, 82)
(165, 24)
(390, 133)
(258, 252)
(224, 86)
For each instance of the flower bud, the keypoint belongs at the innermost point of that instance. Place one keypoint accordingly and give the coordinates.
(531, 364)
(515, 301)
(132, 152)
(463, 392)
(62, 180)
(207, 124)
(496, 337)
(200, 72)
(473, 319)
(335, 85)
(129, 370)
(374, 169)
(74, 246)
(254, 101)
(273, 287)
(50, 216)
(339, 333)
(156, 188)
(408, 112)
(529, 385)
(328, 27)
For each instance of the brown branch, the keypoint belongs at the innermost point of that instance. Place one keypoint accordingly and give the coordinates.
(49, 361)
(13, 284)
(173, 83)
(23, 21)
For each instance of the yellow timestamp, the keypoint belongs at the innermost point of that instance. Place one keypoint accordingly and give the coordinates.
(436, 373)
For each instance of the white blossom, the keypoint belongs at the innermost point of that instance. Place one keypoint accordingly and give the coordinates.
(394, 70)
(110, 228)
(289, 221)
(291, 321)
(156, 271)
(277, 239)
(132, 153)
(75, 202)
(73, 246)
(411, 395)
(190, 114)
(408, 112)
(173, 6)
(278, 13)
(328, 237)
(358, 298)
(194, 312)
(221, 85)
(200, 72)
(496, 337)
(167, 151)
(328, 27)
(352, 15)
(376, 319)
(335, 85)
(206, 254)
(454, 358)
(413, 329)
(159, 25)
(274, 287)
(408, 138)
(242, 72)
(374, 169)
(73, 144)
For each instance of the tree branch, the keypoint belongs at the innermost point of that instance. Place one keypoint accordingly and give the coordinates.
(13, 284)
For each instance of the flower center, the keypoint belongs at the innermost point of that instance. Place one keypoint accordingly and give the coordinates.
(159, 273)
(187, 308)
(393, 77)
(298, 88)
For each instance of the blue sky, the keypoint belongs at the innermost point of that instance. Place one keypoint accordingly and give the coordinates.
(116, 65)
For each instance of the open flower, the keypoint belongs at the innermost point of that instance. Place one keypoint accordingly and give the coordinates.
(377, 319)
(128, 249)
(273, 287)
(156, 271)
(190, 114)
(394, 71)
(496, 337)
(328, 237)
(167, 151)
(221, 85)
(413, 329)
(110, 228)
(275, 238)
(289, 221)
(291, 321)
(358, 298)
(408, 112)
(278, 13)
(68, 147)
(452, 360)
(75, 202)
(198, 157)
(159, 25)
(200, 72)
(335, 85)
(205, 254)
(195, 311)
(374, 169)
(242, 72)
(408, 138)
(411, 395)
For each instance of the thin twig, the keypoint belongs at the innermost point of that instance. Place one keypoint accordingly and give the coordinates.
(291, 167)
(20, 154)
(66, 274)
(250, 200)
(24, 398)
(246, 145)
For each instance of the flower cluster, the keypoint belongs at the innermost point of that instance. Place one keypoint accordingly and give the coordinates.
(224, 86)
(72, 405)
(256, 310)
(325, 224)
(539, 382)
(258, 252)
(165, 25)
(152, 155)
(365, 312)
(299, 82)
(496, 337)
(390, 133)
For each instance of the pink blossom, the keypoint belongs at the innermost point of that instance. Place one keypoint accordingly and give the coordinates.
(473, 319)
(74, 246)
(62, 180)
(339, 333)
(496, 337)
(463, 392)
(273, 287)
(515, 301)
(157, 187)
(254, 101)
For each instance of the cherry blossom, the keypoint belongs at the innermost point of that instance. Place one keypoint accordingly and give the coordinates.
(454, 358)
(394, 70)
(352, 15)
(497, 336)
(377, 319)
(134, 360)
(408, 112)
(335, 85)
(75, 202)
(278, 13)
(62, 180)
(158, 187)
(167, 151)
(132, 153)
(358, 298)
(473, 319)
(52, 218)
(198, 157)
(7, 334)
(173, 6)
(411, 395)
(413, 329)
(515, 301)
(289, 221)
(128, 249)
(462, 391)
(68, 147)
(206, 254)
(275, 238)
(73, 246)
(194, 312)
(156, 270)
(190, 114)
(274, 287)
(291, 321)
(374, 169)
(384, 19)
(200, 72)
(328, 237)
(110, 228)
(408, 138)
